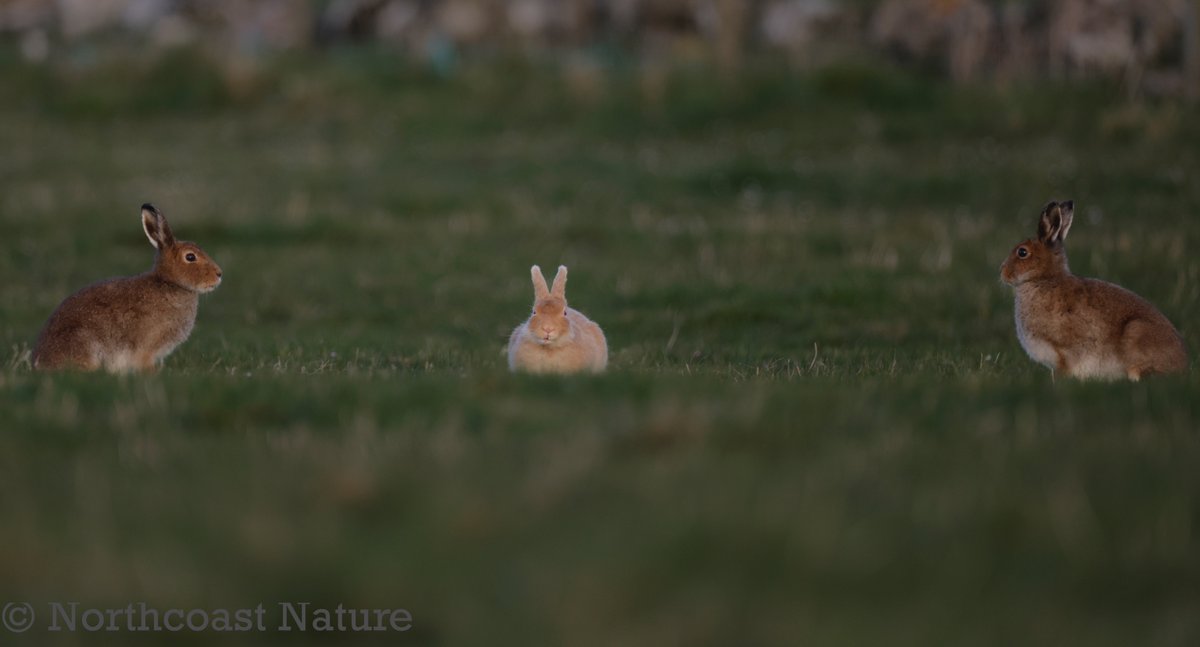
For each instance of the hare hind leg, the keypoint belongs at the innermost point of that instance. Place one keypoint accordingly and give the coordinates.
(56, 361)
(73, 353)
(1148, 349)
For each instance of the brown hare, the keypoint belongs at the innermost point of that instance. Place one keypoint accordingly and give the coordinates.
(1080, 327)
(556, 338)
(131, 323)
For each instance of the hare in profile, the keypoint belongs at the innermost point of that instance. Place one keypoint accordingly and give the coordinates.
(1080, 327)
(131, 323)
(556, 338)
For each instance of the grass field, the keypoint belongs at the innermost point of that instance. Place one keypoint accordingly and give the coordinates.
(818, 426)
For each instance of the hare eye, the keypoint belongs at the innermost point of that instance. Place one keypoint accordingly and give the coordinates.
(1022, 252)
(190, 257)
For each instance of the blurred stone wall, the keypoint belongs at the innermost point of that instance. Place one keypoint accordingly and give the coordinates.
(1151, 44)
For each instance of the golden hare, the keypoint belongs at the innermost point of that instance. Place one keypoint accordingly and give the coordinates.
(131, 323)
(556, 338)
(1084, 328)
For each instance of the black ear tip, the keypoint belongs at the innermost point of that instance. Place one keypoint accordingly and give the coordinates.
(1068, 205)
(150, 207)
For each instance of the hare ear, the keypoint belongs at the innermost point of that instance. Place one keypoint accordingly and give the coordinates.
(540, 290)
(156, 227)
(560, 283)
(1068, 216)
(1050, 227)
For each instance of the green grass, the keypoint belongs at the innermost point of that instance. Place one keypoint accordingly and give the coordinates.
(818, 426)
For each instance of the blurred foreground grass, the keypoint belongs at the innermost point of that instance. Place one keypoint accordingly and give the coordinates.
(818, 426)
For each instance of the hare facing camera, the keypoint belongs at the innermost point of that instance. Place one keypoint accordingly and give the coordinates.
(1080, 327)
(131, 323)
(556, 338)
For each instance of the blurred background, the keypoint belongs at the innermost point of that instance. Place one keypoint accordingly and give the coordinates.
(1151, 46)
(818, 426)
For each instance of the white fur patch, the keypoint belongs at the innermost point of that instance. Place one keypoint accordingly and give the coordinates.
(1097, 367)
(1039, 350)
(119, 362)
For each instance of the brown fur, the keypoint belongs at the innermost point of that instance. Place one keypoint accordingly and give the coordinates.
(556, 338)
(131, 323)
(1080, 327)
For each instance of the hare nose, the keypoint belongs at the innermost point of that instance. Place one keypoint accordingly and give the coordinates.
(218, 273)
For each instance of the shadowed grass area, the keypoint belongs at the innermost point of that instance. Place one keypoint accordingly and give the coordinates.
(818, 425)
